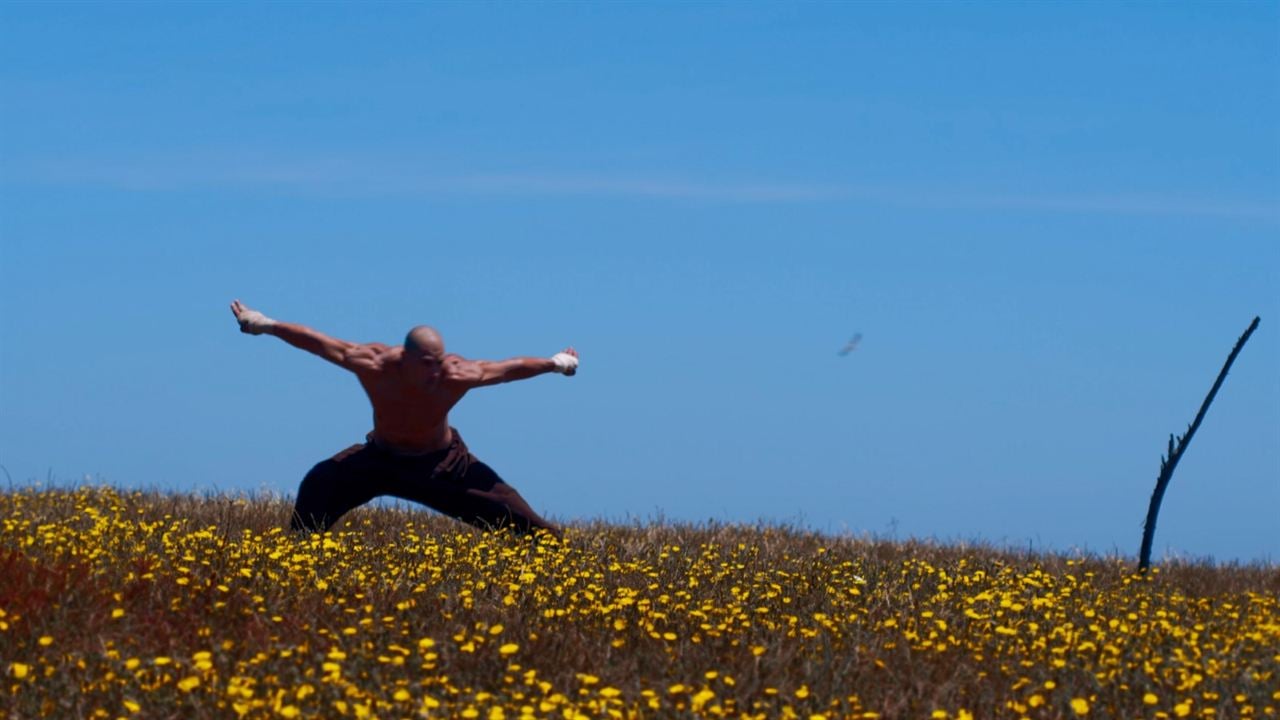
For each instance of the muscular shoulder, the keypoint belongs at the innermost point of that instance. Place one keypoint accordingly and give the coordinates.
(368, 357)
(460, 370)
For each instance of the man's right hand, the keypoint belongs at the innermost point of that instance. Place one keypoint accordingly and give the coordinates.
(566, 362)
(251, 321)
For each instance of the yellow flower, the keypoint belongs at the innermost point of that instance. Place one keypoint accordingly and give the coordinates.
(757, 650)
(132, 706)
(1080, 706)
(803, 692)
(702, 698)
(1182, 709)
(19, 670)
(1150, 699)
(401, 695)
(45, 641)
(118, 612)
(288, 711)
(508, 649)
(187, 684)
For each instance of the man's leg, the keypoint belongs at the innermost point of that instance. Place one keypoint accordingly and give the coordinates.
(479, 498)
(333, 487)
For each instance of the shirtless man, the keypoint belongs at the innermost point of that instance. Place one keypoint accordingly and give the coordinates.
(412, 452)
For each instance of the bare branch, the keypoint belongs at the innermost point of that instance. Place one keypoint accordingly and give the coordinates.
(1169, 462)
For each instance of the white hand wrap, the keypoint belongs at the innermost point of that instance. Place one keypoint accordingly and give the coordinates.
(254, 322)
(565, 363)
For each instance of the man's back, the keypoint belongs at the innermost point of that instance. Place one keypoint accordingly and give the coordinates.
(408, 417)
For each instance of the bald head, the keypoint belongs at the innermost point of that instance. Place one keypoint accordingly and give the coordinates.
(424, 340)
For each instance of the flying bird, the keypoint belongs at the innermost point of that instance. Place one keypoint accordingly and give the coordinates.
(851, 345)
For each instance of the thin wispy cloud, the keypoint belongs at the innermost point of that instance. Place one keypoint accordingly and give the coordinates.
(348, 177)
(342, 177)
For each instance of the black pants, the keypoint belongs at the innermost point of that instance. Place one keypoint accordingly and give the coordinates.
(451, 481)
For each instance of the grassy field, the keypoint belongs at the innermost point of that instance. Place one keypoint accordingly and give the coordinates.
(124, 604)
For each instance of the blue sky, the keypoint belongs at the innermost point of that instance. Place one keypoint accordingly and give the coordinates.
(1050, 222)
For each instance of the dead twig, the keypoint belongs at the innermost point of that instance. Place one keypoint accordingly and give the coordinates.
(1170, 461)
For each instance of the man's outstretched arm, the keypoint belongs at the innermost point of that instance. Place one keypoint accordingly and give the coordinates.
(339, 352)
(493, 372)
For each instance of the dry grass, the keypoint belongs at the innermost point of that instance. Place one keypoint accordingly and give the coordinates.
(129, 604)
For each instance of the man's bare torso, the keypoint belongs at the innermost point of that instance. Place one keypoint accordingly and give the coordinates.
(407, 417)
